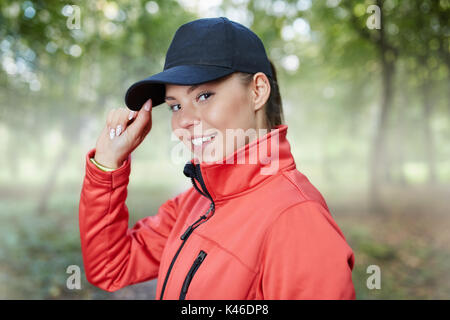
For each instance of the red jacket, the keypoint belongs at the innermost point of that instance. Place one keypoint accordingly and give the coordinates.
(235, 234)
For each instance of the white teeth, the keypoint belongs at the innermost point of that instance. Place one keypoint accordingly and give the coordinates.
(199, 141)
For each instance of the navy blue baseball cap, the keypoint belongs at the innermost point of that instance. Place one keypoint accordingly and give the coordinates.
(202, 50)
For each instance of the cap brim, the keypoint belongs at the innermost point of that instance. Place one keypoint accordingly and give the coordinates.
(154, 87)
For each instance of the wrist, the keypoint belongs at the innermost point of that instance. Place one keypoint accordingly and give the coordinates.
(101, 167)
(105, 162)
(111, 179)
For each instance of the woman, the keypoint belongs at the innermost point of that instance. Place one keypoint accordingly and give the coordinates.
(252, 226)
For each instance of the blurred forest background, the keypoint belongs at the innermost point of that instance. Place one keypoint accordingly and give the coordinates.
(368, 113)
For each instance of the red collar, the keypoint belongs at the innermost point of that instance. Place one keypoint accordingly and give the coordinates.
(248, 166)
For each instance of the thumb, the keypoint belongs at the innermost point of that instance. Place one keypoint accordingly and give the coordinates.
(143, 122)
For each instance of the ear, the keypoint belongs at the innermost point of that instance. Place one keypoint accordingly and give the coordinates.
(260, 88)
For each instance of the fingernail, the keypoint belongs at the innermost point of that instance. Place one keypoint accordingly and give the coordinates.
(112, 133)
(131, 115)
(147, 106)
(118, 130)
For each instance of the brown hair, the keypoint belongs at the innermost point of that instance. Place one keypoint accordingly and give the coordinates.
(273, 107)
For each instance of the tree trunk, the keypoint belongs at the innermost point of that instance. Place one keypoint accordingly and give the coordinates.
(13, 155)
(400, 130)
(378, 148)
(71, 134)
(429, 141)
(47, 190)
(378, 156)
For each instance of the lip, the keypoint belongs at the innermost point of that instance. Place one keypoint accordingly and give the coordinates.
(203, 136)
(201, 147)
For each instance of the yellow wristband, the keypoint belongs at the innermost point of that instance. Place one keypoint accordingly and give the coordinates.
(98, 165)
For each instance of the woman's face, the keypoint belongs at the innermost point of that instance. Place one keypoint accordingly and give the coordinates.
(204, 115)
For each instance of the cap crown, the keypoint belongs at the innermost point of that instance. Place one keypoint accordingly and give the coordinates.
(218, 42)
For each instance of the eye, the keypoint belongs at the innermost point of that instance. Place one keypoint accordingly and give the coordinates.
(174, 107)
(201, 97)
(204, 96)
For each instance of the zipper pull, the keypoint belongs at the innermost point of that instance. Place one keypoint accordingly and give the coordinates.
(201, 256)
(186, 233)
(211, 208)
(203, 217)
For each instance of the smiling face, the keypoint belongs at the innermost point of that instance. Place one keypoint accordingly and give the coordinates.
(202, 114)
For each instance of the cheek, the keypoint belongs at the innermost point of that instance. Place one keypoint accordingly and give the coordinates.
(177, 130)
(230, 113)
(175, 126)
(172, 123)
(219, 116)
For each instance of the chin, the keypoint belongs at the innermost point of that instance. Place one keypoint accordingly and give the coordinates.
(206, 158)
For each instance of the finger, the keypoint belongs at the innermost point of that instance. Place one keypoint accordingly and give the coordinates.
(120, 120)
(110, 124)
(131, 116)
(143, 122)
(110, 117)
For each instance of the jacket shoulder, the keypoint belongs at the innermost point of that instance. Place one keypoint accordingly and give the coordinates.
(307, 191)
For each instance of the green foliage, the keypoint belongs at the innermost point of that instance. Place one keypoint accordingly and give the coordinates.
(56, 85)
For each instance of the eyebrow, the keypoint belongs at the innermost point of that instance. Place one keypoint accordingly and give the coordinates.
(189, 90)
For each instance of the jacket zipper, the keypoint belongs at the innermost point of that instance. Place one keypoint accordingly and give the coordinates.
(193, 171)
(197, 262)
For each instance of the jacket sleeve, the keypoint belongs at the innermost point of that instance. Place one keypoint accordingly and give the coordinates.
(115, 255)
(305, 256)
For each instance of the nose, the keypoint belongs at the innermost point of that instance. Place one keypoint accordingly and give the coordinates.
(188, 117)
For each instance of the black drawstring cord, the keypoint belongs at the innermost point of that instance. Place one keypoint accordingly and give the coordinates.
(189, 171)
(193, 171)
(195, 186)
